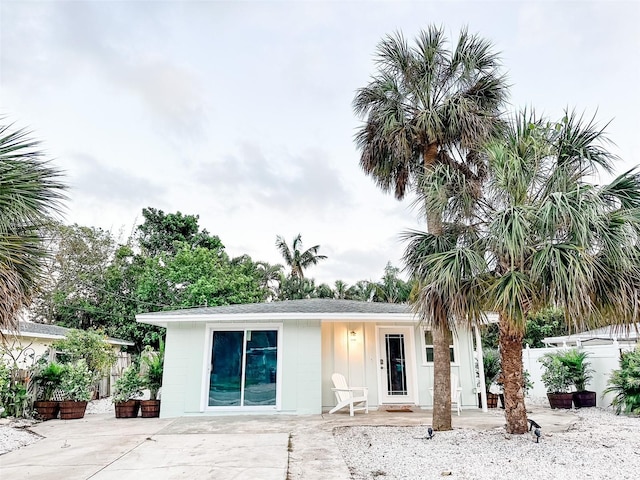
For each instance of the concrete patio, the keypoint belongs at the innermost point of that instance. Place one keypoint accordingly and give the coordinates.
(101, 447)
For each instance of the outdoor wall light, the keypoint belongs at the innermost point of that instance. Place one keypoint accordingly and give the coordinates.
(352, 335)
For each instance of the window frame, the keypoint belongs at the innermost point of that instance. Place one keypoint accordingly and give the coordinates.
(211, 328)
(453, 346)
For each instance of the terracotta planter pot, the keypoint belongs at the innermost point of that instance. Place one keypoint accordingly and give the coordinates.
(584, 399)
(560, 400)
(150, 408)
(47, 410)
(128, 409)
(72, 410)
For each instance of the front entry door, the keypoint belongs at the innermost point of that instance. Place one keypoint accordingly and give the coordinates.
(396, 365)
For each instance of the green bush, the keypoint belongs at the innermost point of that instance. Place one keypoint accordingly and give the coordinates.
(578, 365)
(128, 386)
(13, 393)
(47, 378)
(76, 382)
(491, 360)
(625, 383)
(154, 362)
(91, 346)
(556, 376)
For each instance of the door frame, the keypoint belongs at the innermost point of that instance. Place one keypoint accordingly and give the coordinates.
(210, 328)
(412, 396)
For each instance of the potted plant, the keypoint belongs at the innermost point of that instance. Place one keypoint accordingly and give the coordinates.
(557, 379)
(581, 374)
(625, 384)
(126, 389)
(491, 360)
(47, 380)
(154, 367)
(75, 385)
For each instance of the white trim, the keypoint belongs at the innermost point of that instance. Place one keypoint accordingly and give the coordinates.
(455, 345)
(412, 378)
(163, 320)
(213, 327)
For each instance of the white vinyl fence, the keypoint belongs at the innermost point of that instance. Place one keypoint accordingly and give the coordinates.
(603, 359)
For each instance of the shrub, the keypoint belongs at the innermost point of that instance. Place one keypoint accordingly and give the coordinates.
(625, 383)
(76, 381)
(128, 386)
(491, 360)
(578, 365)
(154, 362)
(47, 379)
(556, 376)
(91, 346)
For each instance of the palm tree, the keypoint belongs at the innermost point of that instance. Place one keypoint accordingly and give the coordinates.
(297, 259)
(31, 191)
(541, 235)
(429, 105)
(391, 289)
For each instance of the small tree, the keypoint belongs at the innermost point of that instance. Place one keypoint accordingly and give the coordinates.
(90, 346)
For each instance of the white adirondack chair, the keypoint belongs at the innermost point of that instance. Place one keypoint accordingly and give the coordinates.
(349, 396)
(456, 393)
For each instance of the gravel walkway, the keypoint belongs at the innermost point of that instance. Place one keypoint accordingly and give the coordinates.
(601, 446)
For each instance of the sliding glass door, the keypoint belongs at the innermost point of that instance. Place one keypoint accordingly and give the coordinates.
(244, 365)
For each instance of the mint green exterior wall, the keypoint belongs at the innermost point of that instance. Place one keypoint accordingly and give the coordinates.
(186, 368)
(358, 361)
(302, 367)
(183, 369)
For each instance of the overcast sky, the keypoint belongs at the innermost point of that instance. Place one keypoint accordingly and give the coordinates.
(240, 112)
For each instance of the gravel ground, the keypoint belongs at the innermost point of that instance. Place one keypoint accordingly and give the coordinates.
(15, 433)
(601, 445)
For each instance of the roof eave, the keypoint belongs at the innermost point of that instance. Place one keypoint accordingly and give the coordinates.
(164, 320)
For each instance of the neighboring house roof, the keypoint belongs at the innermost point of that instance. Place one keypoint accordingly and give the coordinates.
(54, 332)
(309, 309)
(604, 335)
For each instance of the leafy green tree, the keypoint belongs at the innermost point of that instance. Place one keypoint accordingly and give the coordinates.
(541, 235)
(548, 322)
(163, 232)
(69, 293)
(429, 105)
(362, 290)
(545, 323)
(203, 277)
(296, 288)
(89, 346)
(297, 259)
(324, 291)
(31, 193)
(391, 288)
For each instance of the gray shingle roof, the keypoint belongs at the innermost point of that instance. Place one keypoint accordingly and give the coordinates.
(33, 329)
(307, 306)
(42, 328)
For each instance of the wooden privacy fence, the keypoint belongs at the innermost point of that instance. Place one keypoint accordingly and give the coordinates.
(105, 385)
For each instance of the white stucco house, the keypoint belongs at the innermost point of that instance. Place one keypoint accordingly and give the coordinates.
(278, 357)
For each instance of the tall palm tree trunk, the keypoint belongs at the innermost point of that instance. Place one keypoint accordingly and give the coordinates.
(513, 385)
(440, 332)
(441, 378)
